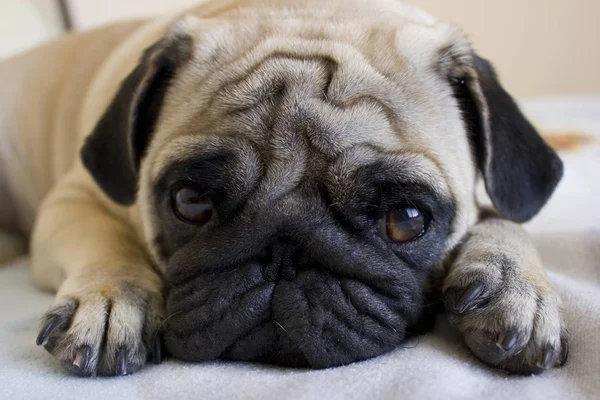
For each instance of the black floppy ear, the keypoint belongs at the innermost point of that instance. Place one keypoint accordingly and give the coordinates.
(520, 170)
(113, 151)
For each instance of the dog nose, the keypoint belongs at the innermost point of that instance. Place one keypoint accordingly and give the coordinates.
(279, 262)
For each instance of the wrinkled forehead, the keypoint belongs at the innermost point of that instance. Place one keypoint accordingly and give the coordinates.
(362, 79)
(299, 91)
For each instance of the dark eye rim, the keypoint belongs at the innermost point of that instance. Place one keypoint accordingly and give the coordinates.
(173, 202)
(382, 228)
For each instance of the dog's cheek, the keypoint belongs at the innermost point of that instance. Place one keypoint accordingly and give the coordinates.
(338, 320)
(208, 314)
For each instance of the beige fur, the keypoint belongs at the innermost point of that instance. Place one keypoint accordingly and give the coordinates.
(88, 248)
(517, 295)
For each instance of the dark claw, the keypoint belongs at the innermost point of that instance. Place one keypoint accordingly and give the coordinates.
(465, 301)
(564, 344)
(157, 354)
(546, 357)
(82, 359)
(509, 340)
(46, 331)
(122, 359)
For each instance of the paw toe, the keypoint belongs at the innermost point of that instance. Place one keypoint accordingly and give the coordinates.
(509, 339)
(564, 355)
(494, 349)
(158, 351)
(467, 299)
(535, 359)
(55, 322)
(102, 336)
(122, 361)
(46, 330)
(82, 363)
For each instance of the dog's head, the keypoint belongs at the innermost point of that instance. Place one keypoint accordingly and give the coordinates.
(299, 181)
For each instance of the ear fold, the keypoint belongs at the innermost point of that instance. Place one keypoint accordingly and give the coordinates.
(520, 170)
(113, 151)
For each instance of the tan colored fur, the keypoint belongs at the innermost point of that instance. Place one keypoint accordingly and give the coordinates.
(86, 246)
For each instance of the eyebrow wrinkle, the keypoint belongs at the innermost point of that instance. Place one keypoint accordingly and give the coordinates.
(330, 66)
(322, 59)
(368, 99)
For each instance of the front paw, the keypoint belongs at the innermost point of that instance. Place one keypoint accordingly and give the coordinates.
(509, 319)
(108, 330)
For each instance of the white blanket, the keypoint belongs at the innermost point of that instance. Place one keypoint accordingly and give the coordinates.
(434, 366)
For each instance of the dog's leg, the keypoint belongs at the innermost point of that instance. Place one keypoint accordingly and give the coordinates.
(499, 298)
(109, 303)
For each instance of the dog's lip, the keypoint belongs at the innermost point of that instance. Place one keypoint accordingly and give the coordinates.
(303, 322)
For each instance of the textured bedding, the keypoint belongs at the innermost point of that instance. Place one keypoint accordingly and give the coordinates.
(434, 366)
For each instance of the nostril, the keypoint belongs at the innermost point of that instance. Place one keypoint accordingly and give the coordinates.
(288, 269)
(270, 265)
(271, 272)
(278, 262)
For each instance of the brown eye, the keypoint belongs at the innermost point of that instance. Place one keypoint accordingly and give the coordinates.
(403, 224)
(192, 206)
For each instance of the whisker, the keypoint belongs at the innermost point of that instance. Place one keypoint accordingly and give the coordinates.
(163, 323)
(281, 326)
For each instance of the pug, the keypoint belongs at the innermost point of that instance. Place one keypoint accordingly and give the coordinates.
(282, 181)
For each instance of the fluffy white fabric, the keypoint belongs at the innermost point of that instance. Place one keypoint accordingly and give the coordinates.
(435, 366)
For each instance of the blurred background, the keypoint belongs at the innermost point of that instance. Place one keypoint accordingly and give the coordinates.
(542, 48)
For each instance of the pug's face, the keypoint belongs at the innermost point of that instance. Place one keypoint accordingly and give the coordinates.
(299, 192)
